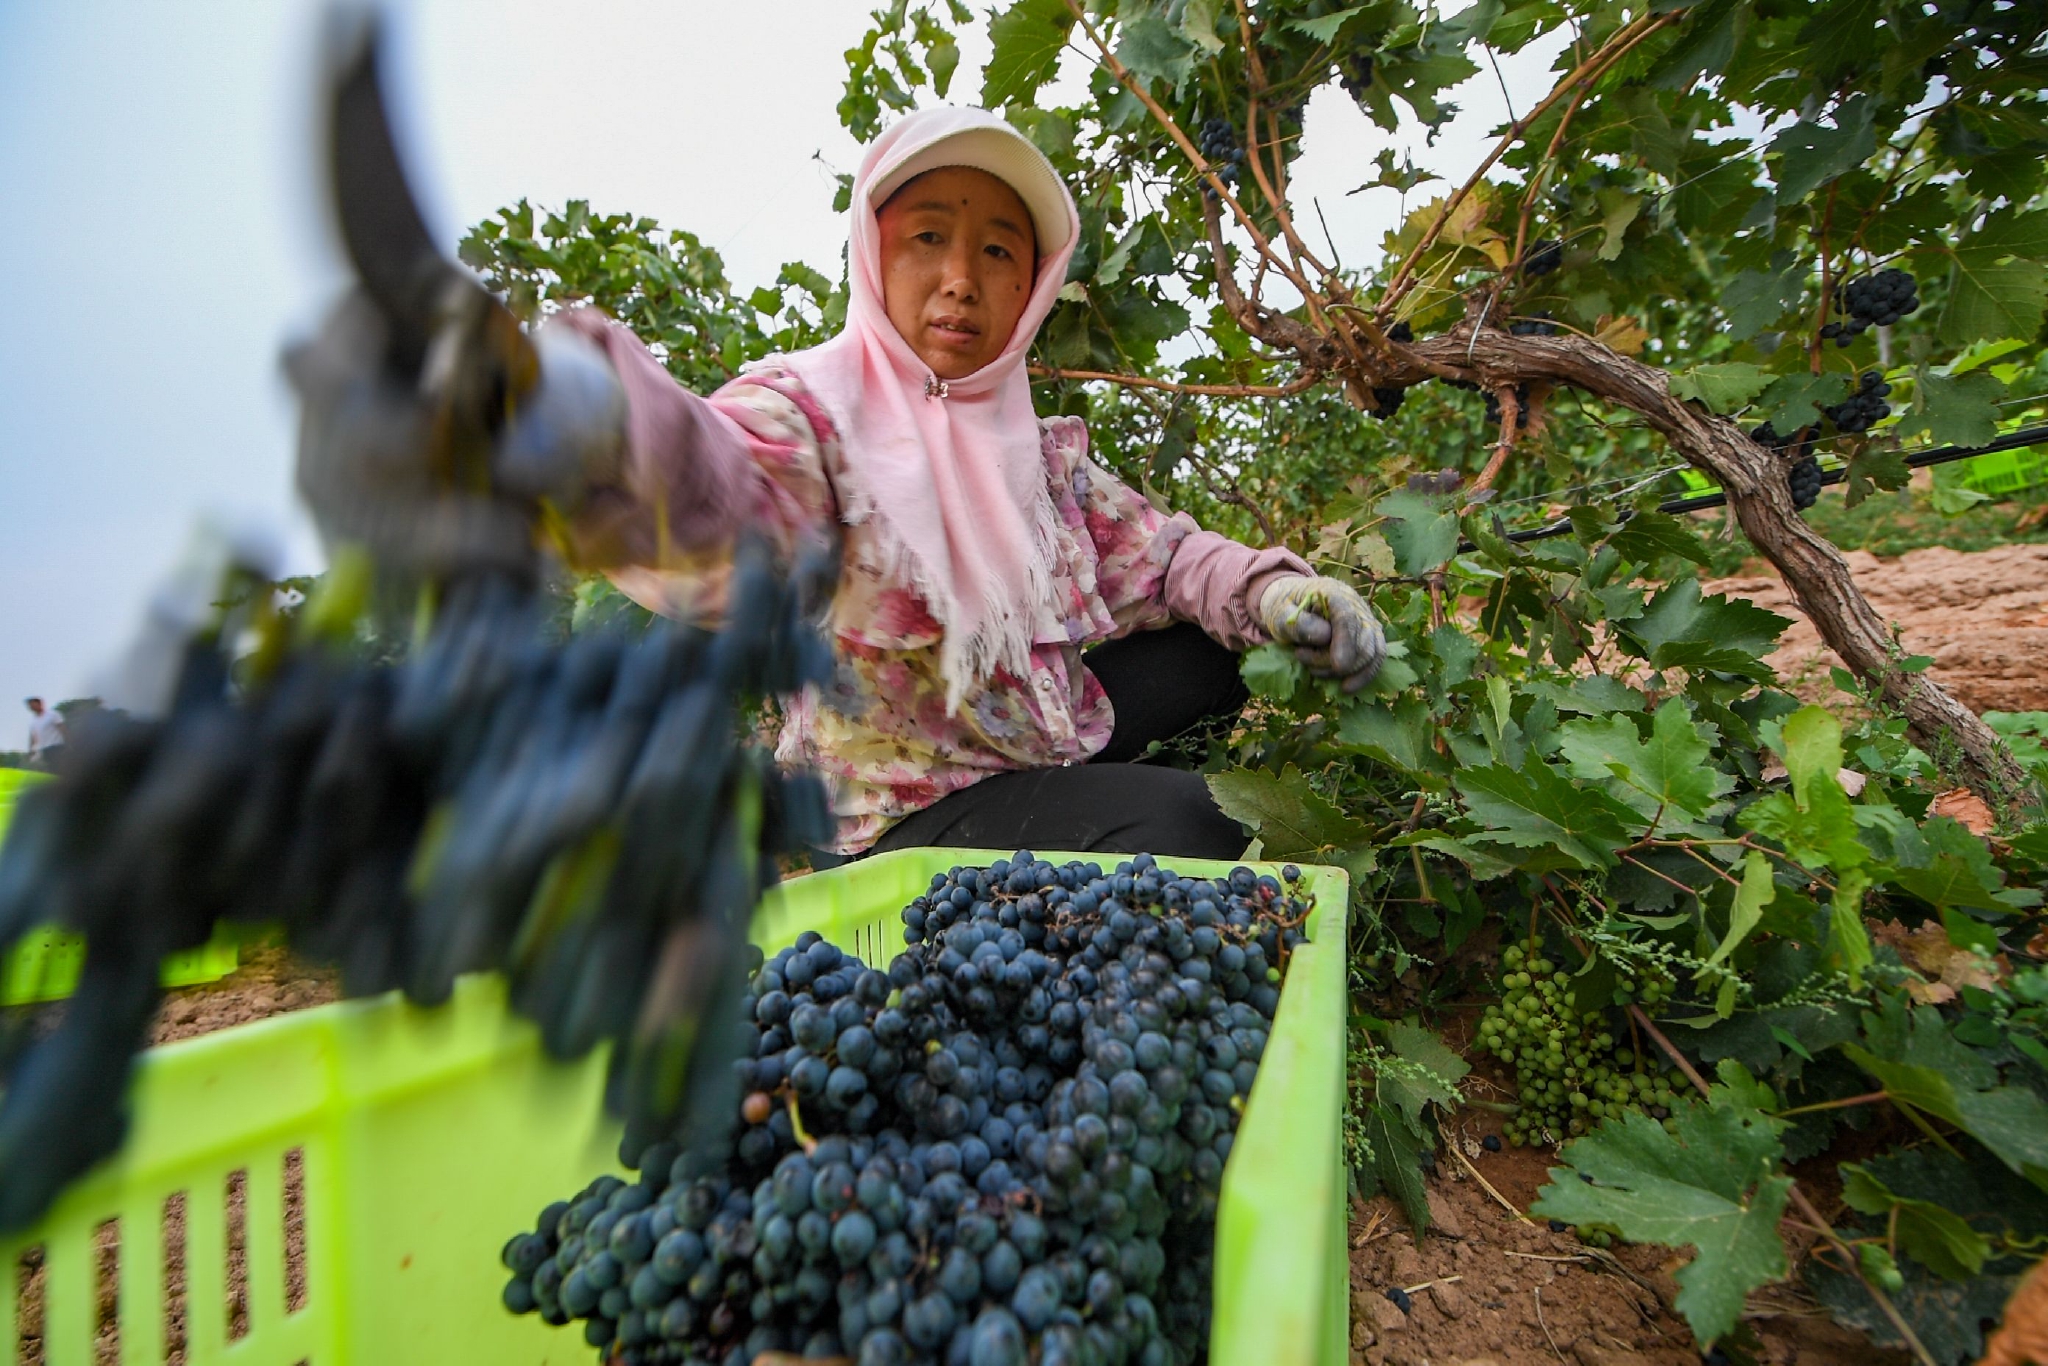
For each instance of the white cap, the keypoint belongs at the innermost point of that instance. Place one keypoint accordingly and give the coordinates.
(1008, 156)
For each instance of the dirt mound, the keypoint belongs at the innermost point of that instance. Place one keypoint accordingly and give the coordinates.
(1982, 617)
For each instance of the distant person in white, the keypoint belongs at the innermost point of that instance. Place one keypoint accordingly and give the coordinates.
(45, 733)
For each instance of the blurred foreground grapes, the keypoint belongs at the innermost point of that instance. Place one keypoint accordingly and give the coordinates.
(1005, 1149)
(587, 818)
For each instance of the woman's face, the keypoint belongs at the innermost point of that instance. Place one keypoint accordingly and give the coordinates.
(958, 257)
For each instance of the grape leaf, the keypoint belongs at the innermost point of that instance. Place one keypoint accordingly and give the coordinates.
(1430, 1078)
(1723, 388)
(1817, 826)
(1271, 671)
(1155, 51)
(1962, 411)
(1793, 401)
(1324, 28)
(1198, 24)
(1713, 1185)
(1536, 806)
(1811, 154)
(1419, 75)
(1620, 211)
(1028, 38)
(1420, 527)
(1396, 1163)
(1400, 734)
(1757, 891)
(1671, 772)
(1943, 864)
(1591, 694)
(1873, 467)
(1648, 535)
(1682, 628)
(1920, 1063)
(1705, 45)
(1997, 284)
(1291, 818)
(1755, 299)
(1943, 1241)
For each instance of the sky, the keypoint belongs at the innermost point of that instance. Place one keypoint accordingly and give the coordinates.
(164, 236)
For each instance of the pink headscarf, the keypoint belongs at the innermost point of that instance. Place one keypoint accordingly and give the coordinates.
(955, 485)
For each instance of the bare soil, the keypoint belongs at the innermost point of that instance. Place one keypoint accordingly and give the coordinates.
(1982, 617)
(1487, 1286)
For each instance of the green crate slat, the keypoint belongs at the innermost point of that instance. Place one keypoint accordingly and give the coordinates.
(430, 1136)
(2003, 472)
(44, 964)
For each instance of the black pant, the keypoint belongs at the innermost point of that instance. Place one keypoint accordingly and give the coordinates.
(1161, 683)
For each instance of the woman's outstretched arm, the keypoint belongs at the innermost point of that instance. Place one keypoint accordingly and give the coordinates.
(697, 471)
(1154, 568)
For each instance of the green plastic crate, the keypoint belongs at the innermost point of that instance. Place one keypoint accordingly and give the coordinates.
(426, 1137)
(2006, 472)
(44, 964)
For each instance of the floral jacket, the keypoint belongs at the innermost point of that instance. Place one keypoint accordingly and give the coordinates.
(761, 453)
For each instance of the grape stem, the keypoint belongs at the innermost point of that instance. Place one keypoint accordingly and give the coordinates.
(796, 1124)
(1798, 1197)
(1510, 420)
(1867, 1098)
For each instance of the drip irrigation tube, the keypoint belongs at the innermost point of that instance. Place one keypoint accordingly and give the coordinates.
(1940, 455)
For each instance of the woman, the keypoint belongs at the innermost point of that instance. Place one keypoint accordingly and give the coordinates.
(1012, 623)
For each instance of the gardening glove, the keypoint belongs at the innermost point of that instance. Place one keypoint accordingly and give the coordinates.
(367, 429)
(1328, 625)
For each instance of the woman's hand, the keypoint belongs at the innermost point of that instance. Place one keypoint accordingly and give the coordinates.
(1328, 625)
(365, 466)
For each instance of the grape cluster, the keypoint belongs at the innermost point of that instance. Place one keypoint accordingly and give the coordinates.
(1217, 142)
(1535, 325)
(1355, 75)
(1872, 301)
(496, 801)
(1569, 1073)
(1863, 409)
(1545, 256)
(1006, 1149)
(1804, 477)
(1805, 481)
(1492, 415)
(1387, 398)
